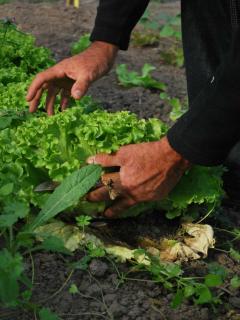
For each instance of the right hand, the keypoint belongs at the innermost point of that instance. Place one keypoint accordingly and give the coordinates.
(148, 172)
(72, 76)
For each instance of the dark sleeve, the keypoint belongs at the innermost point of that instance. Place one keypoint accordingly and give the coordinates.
(116, 19)
(208, 131)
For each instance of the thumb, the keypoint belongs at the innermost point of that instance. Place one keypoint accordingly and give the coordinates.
(79, 89)
(105, 160)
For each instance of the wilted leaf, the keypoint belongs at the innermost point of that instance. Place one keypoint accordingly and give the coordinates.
(70, 236)
(166, 250)
(198, 238)
(124, 254)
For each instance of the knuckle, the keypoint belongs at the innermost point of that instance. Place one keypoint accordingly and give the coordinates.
(39, 76)
(127, 185)
(86, 79)
(58, 71)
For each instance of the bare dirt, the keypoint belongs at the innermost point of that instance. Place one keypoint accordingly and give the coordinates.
(101, 293)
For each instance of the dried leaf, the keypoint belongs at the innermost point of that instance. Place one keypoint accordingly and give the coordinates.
(196, 240)
(70, 235)
(201, 237)
(124, 254)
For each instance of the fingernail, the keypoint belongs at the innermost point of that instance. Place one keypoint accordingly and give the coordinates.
(77, 94)
(91, 160)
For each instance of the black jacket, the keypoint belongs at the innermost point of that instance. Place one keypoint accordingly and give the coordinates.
(211, 127)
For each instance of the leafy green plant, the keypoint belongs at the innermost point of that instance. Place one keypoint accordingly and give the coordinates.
(171, 27)
(178, 109)
(148, 23)
(171, 276)
(20, 59)
(82, 44)
(4, 1)
(170, 31)
(69, 138)
(173, 55)
(145, 39)
(19, 50)
(12, 268)
(133, 79)
(148, 32)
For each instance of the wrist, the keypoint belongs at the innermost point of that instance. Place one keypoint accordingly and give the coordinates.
(106, 48)
(173, 156)
(103, 55)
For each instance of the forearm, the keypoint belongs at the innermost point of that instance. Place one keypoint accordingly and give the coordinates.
(116, 19)
(208, 131)
(103, 52)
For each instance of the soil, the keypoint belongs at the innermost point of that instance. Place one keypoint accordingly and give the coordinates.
(101, 293)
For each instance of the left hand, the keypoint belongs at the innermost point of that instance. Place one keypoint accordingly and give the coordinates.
(148, 172)
(72, 76)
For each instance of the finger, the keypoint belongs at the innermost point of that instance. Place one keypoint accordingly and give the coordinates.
(79, 89)
(100, 194)
(40, 79)
(64, 99)
(50, 101)
(35, 102)
(105, 160)
(119, 207)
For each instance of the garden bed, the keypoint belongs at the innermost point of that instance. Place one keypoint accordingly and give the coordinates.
(108, 290)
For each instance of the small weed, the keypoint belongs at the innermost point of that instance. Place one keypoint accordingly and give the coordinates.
(178, 109)
(82, 44)
(133, 79)
(145, 39)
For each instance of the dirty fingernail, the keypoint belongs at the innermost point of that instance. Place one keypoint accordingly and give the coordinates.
(77, 94)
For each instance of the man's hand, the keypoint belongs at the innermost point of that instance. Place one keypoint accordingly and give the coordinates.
(148, 172)
(72, 76)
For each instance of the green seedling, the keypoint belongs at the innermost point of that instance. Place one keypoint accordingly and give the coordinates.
(133, 79)
(83, 221)
(82, 44)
